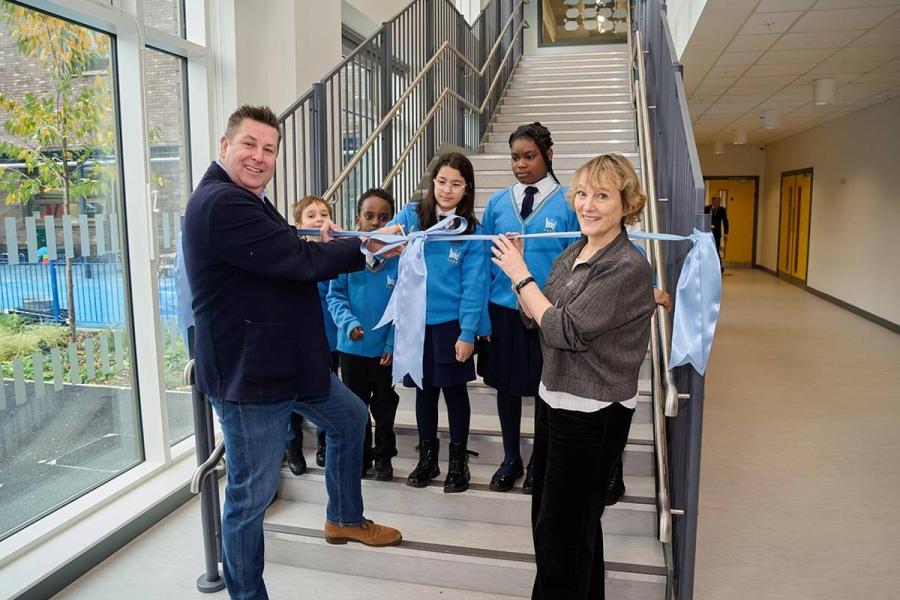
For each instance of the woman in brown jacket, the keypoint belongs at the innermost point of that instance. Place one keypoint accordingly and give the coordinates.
(594, 318)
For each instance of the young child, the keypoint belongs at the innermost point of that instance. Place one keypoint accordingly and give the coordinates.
(311, 212)
(511, 361)
(356, 302)
(456, 291)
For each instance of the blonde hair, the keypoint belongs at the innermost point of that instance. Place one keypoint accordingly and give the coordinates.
(617, 170)
(304, 203)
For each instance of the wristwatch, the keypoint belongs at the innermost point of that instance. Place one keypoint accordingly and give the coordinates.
(518, 287)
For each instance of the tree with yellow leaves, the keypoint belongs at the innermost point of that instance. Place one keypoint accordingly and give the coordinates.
(61, 131)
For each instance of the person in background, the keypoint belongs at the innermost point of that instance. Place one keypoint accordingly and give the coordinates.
(594, 320)
(718, 222)
(356, 301)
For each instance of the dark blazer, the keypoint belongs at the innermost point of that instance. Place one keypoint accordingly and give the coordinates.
(259, 328)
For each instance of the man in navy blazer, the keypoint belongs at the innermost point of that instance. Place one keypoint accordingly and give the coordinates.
(260, 346)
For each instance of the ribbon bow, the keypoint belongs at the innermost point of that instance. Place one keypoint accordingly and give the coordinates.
(406, 308)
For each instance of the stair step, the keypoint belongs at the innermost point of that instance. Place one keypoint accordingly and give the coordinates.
(633, 515)
(564, 91)
(574, 56)
(527, 107)
(612, 115)
(485, 402)
(561, 163)
(569, 147)
(283, 581)
(619, 63)
(502, 136)
(489, 558)
(611, 77)
(556, 124)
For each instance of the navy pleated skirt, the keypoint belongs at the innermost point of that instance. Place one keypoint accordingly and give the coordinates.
(439, 365)
(511, 362)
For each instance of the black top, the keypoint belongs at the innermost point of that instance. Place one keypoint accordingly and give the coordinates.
(259, 327)
(718, 218)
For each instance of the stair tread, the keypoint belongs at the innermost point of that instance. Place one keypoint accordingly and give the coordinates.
(638, 489)
(511, 542)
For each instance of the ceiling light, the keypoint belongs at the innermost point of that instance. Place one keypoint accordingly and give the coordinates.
(823, 91)
(719, 147)
(573, 13)
(740, 136)
(571, 25)
(770, 119)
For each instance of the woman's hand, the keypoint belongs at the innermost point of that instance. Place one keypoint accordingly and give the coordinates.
(508, 256)
(662, 298)
(464, 350)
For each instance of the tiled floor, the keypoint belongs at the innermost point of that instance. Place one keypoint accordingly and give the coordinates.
(800, 488)
(800, 482)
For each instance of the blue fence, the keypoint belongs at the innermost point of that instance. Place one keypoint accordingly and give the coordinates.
(38, 291)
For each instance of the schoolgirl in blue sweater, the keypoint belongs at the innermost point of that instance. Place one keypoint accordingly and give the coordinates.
(310, 213)
(456, 291)
(356, 302)
(511, 360)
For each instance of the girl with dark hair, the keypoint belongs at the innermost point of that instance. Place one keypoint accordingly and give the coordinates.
(456, 292)
(510, 360)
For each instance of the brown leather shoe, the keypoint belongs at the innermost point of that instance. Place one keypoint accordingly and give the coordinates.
(369, 533)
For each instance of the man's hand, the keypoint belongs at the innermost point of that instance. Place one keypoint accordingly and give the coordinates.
(464, 350)
(328, 227)
(386, 359)
(357, 334)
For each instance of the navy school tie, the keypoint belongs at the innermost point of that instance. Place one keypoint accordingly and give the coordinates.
(528, 201)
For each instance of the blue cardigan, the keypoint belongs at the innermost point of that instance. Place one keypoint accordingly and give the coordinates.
(457, 286)
(358, 300)
(553, 214)
(259, 325)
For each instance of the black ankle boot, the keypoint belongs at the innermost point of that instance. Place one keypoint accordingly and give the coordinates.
(427, 468)
(295, 460)
(458, 471)
(320, 455)
(616, 488)
(528, 484)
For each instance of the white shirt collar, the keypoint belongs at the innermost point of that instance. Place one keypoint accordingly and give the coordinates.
(545, 187)
(445, 213)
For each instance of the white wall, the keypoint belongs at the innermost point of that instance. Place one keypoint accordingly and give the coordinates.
(683, 16)
(377, 10)
(853, 251)
(282, 47)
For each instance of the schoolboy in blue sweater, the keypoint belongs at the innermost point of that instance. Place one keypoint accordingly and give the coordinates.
(456, 292)
(356, 301)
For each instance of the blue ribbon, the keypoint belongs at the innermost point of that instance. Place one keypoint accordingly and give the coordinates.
(698, 294)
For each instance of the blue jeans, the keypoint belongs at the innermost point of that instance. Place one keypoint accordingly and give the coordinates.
(254, 447)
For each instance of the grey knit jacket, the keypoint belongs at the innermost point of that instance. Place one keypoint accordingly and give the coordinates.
(595, 336)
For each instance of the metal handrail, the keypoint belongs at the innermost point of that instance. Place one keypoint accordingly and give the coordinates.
(652, 211)
(437, 106)
(664, 508)
(213, 463)
(395, 108)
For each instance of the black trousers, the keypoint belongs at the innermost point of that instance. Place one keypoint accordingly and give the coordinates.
(372, 383)
(574, 453)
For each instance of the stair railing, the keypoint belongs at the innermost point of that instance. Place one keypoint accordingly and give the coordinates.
(671, 168)
(378, 98)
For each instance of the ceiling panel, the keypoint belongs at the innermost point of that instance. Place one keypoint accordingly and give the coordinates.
(769, 22)
(783, 5)
(739, 58)
(878, 37)
(880, 77)
(792, 57)
(843, 19)
(890, 67)
(865, 54)
(817, 39)
(746, 43)
(832, 68)
(832, 4)
(891, 23)
(767, 70)
(726, 71)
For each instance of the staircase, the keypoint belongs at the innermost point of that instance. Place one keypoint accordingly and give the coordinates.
(479, 542)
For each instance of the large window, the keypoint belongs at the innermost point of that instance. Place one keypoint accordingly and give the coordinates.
(164, 86)
(568, 22)
(68, 408)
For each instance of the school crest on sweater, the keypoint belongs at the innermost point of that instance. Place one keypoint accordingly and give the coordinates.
(455, 254)
(549, 224)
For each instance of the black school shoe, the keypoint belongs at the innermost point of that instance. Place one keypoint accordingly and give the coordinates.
(505, 477)
(296, 461)
(528, 484)
(320, 455)
(383, 469)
